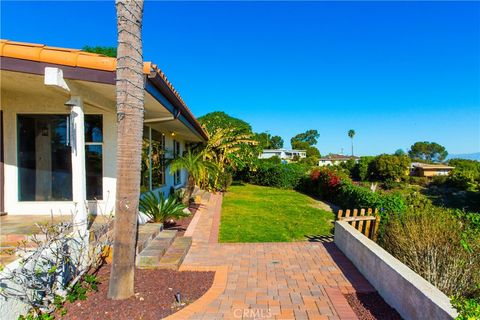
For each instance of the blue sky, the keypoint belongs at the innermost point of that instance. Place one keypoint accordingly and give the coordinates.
(395, 72)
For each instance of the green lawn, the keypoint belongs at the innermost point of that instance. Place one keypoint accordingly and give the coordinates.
(262, 214)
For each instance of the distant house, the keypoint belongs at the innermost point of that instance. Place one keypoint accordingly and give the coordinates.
(283, 154)
(429, 170)
(334, 159)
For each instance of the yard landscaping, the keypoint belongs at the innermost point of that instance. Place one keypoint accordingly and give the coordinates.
(253, 213)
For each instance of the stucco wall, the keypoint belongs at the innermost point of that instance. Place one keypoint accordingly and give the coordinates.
(411, 295)
(13, 103)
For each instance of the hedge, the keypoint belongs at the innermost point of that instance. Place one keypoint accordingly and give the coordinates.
(285, 176)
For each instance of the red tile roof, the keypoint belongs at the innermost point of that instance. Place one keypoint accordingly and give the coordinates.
(82, 59)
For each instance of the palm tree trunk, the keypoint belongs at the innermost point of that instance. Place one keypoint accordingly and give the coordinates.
(130, 106)
(188, 190)
(352, 147)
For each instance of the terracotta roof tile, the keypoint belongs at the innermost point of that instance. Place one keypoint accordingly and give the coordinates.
(77, 58)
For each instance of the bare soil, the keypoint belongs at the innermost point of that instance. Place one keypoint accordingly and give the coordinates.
(371, 306)
(154, 296)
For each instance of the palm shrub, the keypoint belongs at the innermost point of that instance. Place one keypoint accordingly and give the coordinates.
(161, 209)
(198, 169)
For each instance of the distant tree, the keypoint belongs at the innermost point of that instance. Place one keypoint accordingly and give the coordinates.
(232, 142)
(361, 170)
(351, 134)
(266, 141)
(428, 151)
(263, 140)
(106, 51)
(387, 167)
(219, 119)
(276, 142)
(399, 152)
(313, 152)
(309, 136)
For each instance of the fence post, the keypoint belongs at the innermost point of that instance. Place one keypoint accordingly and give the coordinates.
(355, 223)
(360, 224)
(368, 224)
(377, 224)
(339, 214)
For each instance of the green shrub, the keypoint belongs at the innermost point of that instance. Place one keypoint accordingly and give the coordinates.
(438, 246)
(361, 169)
(389, 167)
(225, 180)
(464, 180)
(331, 185)
(467, 308)
(160, 209)
(419, 181)
(286, 176)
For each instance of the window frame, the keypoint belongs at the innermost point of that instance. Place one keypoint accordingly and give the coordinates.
(177, 178)
(95, 144)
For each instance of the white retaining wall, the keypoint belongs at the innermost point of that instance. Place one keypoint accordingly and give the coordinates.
(411, 295)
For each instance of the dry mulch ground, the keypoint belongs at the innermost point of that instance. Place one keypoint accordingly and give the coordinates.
(182, 224)
(154, 296)
(371, 306)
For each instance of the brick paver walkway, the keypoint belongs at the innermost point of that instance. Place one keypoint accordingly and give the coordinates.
(300, 280)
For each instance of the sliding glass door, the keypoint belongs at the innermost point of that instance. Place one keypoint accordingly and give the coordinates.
(44, 158)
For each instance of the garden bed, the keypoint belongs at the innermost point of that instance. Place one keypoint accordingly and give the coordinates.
(154, 295)
(371, 306)
(182, 224)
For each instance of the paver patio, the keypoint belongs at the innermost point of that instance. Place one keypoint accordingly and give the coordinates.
(299, 280)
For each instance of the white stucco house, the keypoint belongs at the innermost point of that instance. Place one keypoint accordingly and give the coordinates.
(334, 159)
(58, 130)
(284, 154)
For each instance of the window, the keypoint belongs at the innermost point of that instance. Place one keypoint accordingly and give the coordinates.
(94, 156)
(158, 159)
(44, 157)
(153, 160)
(177, 179)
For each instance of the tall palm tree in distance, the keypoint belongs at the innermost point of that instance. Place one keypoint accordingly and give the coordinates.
(130, 109)
(351, 134)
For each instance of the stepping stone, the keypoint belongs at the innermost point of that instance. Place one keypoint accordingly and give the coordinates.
(174, 256)
(150, 256)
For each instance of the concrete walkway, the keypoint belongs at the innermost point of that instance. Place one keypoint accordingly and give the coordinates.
(300, 280)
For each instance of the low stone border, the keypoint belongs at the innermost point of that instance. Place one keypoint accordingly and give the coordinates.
(217, 288)
(216, 219)
(412, 296)
(192, 225)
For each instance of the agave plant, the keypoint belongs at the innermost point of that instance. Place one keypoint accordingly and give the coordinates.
(162, 209)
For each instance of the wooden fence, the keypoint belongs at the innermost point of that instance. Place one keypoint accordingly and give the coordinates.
(365, 222)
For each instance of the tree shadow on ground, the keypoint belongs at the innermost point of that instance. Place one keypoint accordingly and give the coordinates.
(359, 283)
(317, 238)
